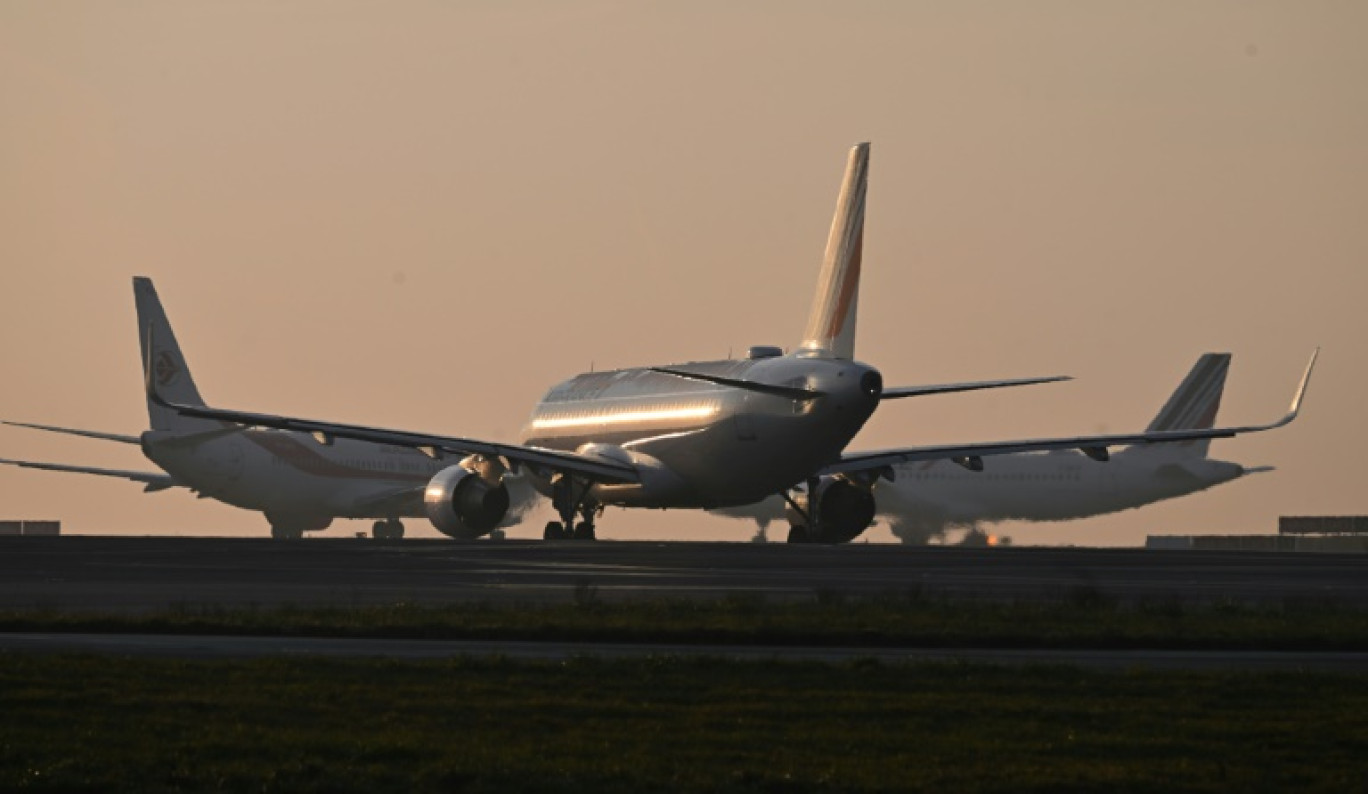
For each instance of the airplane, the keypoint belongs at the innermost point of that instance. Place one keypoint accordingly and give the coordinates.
(300, 484)
(930, 498)
(706, 435)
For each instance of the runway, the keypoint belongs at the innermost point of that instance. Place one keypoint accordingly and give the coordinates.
(141, 574)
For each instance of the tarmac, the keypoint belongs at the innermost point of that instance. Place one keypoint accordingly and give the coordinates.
(145, 574)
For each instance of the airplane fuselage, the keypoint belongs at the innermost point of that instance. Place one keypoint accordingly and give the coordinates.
(1055, 486)
(290, 474)
(930, 498)
(700, 444)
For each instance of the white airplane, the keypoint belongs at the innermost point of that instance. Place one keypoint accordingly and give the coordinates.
(299, 483)
(931, 498)
(705, 434)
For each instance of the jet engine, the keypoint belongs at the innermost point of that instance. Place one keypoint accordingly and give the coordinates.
(836, 511)
(467, 500)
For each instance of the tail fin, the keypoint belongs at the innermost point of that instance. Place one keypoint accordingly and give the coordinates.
(831, 326)
(168, 366)
(1194, 405)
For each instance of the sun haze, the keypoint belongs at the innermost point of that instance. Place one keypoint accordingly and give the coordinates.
(420, 215)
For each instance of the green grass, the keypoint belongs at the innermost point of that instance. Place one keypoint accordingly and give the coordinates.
(80, 723)
(1078, 619)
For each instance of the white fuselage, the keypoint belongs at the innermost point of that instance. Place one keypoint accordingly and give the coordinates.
(290, 474)
(699, 444)
(928, 498)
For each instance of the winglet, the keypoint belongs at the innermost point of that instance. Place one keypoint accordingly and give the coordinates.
(1301, 391)
(831, 325)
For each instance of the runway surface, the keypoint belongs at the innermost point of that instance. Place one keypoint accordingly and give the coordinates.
(220, 647)
(130, 575)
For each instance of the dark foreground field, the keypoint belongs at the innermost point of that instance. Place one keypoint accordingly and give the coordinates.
(1078, 618)
(71, 723)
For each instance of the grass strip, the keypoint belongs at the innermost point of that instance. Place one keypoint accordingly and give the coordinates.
(81, 723)
(1080, 620)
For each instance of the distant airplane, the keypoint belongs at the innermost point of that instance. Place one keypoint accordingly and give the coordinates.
(301, 484)
(705, 434)
(929, 499)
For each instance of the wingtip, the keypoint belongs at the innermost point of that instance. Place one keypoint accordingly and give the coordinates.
(1306, 379)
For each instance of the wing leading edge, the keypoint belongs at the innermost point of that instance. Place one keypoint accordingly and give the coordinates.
(435, 446)
(971, 455)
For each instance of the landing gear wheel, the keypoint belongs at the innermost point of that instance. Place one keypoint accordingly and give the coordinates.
(799, 534)
(554, 531)
(286, 533)
(387, 530)
(585, 531)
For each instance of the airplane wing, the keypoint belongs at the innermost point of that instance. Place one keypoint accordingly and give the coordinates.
(971, 455)
(597, 469)
(154, 481)
(123, 439)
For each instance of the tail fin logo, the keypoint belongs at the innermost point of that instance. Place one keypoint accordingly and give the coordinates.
(166, 369)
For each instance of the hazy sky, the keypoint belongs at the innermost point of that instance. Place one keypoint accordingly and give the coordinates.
(419, 215)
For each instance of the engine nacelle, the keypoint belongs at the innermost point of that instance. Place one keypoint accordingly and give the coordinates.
(838, 510)
(462, 504)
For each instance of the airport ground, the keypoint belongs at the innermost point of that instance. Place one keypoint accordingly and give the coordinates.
(356, 665)
(132, 574)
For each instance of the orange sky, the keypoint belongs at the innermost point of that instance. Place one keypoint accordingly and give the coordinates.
(420, 215)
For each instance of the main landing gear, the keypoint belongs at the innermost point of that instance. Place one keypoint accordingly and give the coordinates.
(800, 531)
(389, 529)
(571, 500)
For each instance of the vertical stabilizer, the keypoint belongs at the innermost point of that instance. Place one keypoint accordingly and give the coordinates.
(1195, 403)
(831, 326)
(168, 366)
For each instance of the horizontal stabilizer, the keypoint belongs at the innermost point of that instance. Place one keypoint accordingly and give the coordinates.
(155, 481)
(790, 392)
(897, 392)
(122, 439)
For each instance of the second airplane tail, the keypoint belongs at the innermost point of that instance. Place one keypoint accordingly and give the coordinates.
(1193, 406)
(167, 364)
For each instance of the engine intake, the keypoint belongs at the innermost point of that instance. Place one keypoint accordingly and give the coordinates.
(837, 509)
(464, 505)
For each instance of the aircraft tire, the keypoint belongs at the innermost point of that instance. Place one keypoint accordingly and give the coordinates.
(799, 534)
(286, 533)
(554, 531)
(585, 531)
